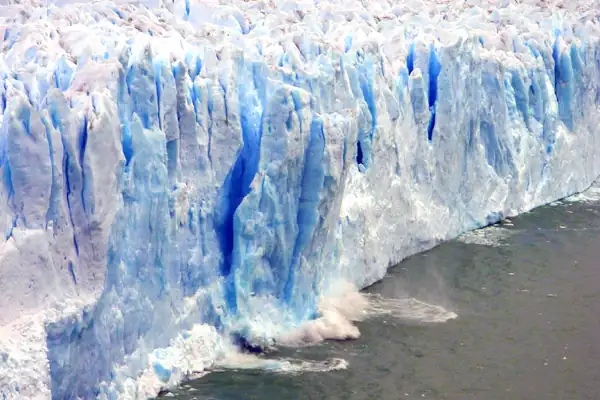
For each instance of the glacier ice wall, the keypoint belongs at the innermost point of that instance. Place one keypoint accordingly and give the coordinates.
(170, 165)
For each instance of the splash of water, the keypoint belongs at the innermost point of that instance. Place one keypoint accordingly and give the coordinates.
(493, 236)
(592, 195)
(339, 313)
(408, 309)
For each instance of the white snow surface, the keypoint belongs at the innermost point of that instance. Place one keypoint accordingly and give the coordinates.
(181, 176)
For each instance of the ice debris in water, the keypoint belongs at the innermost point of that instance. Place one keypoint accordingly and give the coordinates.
(180, 177)
(408, 309)
(492, 236)
(591, 195)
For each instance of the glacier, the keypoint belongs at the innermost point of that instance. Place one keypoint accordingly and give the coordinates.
(182, 177)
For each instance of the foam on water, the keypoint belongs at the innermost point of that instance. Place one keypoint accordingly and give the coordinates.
(238, 361)
(336, 321)
(408, 309)
(493, 236)
(202, 349)
(244, 361)
(338, 315)
(592, 195)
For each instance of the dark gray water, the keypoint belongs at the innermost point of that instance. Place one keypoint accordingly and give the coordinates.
(528, 300)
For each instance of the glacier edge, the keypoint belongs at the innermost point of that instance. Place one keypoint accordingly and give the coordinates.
(176, 176)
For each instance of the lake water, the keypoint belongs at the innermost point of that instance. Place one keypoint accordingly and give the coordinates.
(527, 295)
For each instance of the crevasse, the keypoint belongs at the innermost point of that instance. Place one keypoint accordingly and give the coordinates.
(183, 173)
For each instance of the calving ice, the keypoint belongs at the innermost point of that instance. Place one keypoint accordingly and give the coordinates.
(178, 177)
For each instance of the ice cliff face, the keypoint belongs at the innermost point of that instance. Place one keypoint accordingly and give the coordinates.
(178, 173)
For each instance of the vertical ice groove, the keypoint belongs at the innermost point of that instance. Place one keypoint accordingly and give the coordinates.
(249, 86)
(564, 86)
(410, 58)
(366, 72)
(3, 96)
(168, 118)
(434, 72)
(63, 74)
(123, 104)
(72, 169)
(190, 156)
(141, 82)
(493, 120)
(54, 212)
(418, 97)
(312, 183)
(83, 137)
(28, 157)
(203, 105)
(521, 83)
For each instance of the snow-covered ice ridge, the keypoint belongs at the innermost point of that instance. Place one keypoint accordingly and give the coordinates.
(176, 174)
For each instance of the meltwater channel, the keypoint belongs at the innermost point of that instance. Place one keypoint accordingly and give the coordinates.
(527, 297)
